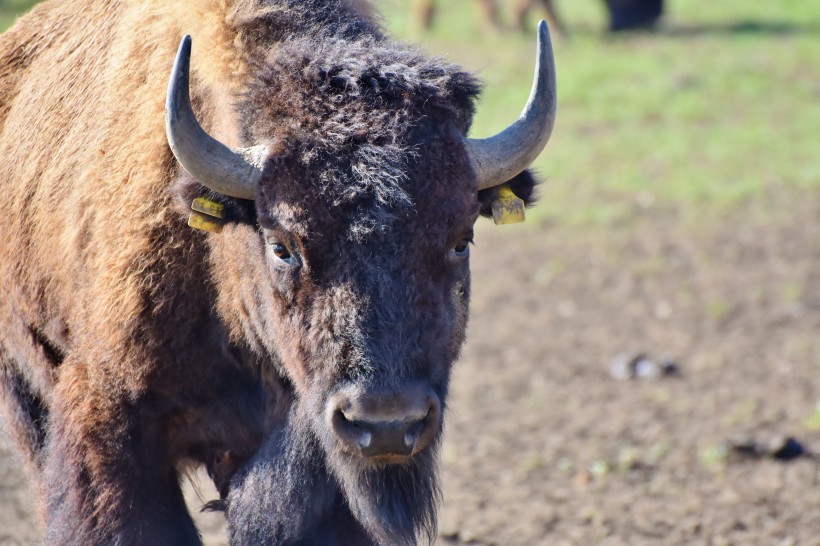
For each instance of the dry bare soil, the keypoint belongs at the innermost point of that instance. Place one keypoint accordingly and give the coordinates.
(545, 446)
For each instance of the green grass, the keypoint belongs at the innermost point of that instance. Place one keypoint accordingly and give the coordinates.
(721, 106)
(9, 9)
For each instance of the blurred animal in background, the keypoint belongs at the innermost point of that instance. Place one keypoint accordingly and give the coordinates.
(633, 14)
(490, 12)
(298, 343)
(427, 10)
(623, 14)
(523, 8)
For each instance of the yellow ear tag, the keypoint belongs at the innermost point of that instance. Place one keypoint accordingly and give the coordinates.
(205, 215)
(205, 223)
(206, 206)
(508, 208)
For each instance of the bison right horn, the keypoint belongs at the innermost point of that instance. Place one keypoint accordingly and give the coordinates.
(230, 171)
(501, 157)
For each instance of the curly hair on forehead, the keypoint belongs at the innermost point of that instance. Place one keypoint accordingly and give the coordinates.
(354, 111)
(268, 21)
(368, 89)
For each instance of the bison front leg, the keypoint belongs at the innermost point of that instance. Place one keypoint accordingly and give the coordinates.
(107, 479)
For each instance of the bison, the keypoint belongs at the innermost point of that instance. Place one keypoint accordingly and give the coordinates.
(299, 345)
(490, 9)
(624, 15)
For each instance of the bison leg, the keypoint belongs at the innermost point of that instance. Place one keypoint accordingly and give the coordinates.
(28, 358)
(426, 13)
(553, 18)
(107, 479)
(23, 411)
(490, 10)
(523, 8)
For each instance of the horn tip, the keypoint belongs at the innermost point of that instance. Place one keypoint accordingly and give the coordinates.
(184, 49)
(543, 31)
(178, 81)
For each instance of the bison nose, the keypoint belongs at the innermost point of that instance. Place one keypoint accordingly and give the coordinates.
(385, 425)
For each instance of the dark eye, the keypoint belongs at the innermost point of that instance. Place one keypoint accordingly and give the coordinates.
(462, 248)
(281, 252)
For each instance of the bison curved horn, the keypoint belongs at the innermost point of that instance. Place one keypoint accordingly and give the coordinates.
(230, 171)
(499, 158)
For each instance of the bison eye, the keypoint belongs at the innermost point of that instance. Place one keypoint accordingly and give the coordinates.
(462, 248)
(282, 253)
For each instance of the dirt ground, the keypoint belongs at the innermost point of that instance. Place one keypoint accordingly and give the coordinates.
(545, 446)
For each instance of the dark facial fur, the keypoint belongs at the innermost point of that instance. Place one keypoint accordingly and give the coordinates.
(369, 188)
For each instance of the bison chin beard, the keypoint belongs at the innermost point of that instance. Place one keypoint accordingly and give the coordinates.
(286, 495)
(396, 503)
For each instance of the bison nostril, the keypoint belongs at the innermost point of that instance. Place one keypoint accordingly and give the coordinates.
(365, 440)
(415, 429)
(351, 433)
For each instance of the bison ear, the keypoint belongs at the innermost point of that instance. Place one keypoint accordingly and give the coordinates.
(523, 186)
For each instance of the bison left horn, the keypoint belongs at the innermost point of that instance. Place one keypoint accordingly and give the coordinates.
(230, 171)
(501, 157)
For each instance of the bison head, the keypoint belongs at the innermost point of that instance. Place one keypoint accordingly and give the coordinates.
(348, 271)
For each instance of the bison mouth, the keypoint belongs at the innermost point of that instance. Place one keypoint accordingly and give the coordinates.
(301, 489)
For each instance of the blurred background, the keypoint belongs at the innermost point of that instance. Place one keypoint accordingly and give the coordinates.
(643, 361)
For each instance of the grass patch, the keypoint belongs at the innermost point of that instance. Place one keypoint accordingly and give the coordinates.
(10, 9)
(812, 422)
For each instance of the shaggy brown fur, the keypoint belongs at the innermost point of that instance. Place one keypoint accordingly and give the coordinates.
(131, 345)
